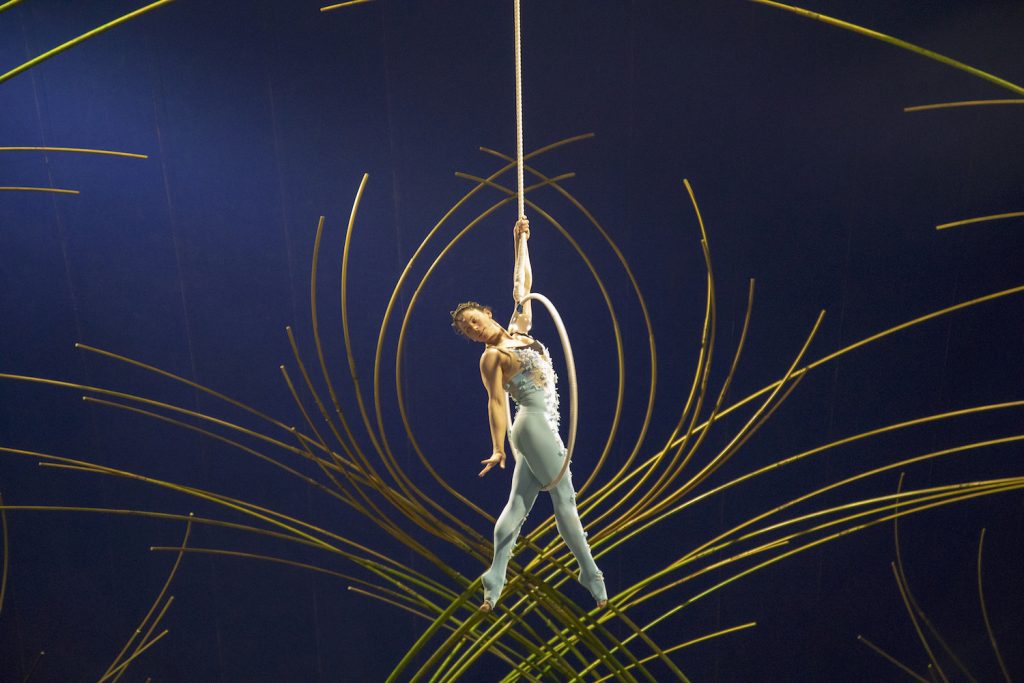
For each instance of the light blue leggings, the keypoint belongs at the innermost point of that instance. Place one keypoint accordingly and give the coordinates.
(525, 488)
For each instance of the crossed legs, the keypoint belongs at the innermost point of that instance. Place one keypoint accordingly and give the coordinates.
(525, 488)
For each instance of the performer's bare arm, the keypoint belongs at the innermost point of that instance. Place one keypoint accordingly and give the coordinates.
(497, 410)
(522, 280)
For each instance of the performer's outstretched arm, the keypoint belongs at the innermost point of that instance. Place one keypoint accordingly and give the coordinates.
(522, 279)
(497, 408)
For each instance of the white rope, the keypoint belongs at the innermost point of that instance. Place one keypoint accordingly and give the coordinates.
(519, 112)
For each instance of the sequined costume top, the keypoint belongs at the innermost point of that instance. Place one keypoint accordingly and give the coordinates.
(533, 388)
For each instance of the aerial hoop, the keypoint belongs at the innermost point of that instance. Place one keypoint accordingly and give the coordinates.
(570, 370)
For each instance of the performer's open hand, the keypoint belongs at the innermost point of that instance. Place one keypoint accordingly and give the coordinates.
(495, 459)
(522, 228)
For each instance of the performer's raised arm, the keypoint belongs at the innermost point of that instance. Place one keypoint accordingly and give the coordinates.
(522, 279)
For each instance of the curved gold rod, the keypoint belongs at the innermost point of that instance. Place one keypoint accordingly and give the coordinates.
(811, 452)
(510, 657)
(183, 380)
(272, 517)
(367, 468)
(348, 342)
(741, 437)
(965, 103)
(316, 396)
(513, 615)
(416, 511)
(230, 442)
(344, 4)
(159, 598)
(843, 482)
(902, 586)
(404, 573)
(873, 338)
(890, 501)
(674, 468)
(912, 605)
(103, 152)
(327, 418)
(145, 642)
(698, 387)
(892, 660)
(980, 219)
(149, 514)
(9, 4)
(723, 455)
(82, 38)
(200, 387)
(145, 646)
(1002, 83)
(276, 519)
(708, 339)
(680, 646)
(932, 496)
(659, 653)
(339, 463)
(319, 441)
(158, 404)
(984, 613)
(253, 556)
(526, 603)
(568, 613)
(703, 549)
(810, 545)
(352, 445)
(52, 190)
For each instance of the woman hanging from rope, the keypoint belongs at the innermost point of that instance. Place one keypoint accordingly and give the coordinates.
(515, 363)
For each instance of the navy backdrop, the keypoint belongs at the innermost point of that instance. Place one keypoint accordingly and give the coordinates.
(259, 117)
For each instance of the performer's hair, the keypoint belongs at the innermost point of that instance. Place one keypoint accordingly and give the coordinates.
(462, 308)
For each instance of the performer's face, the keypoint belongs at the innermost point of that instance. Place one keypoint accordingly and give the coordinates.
(478, 325)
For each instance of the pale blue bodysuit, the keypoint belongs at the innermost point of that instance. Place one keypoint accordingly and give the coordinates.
(535, 436)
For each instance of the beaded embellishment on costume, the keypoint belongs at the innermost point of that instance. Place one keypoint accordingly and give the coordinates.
(537, 374)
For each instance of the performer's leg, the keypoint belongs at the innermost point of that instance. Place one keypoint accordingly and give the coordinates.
(525, 488)
(567, 518)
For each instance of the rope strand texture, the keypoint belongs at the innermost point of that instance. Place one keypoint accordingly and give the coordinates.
(519, 111)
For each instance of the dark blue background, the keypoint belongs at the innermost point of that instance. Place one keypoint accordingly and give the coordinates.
(258, 117)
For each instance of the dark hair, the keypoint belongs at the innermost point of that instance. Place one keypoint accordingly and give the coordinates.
(462, 308)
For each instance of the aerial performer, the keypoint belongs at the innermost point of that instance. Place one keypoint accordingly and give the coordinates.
(517, 365)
